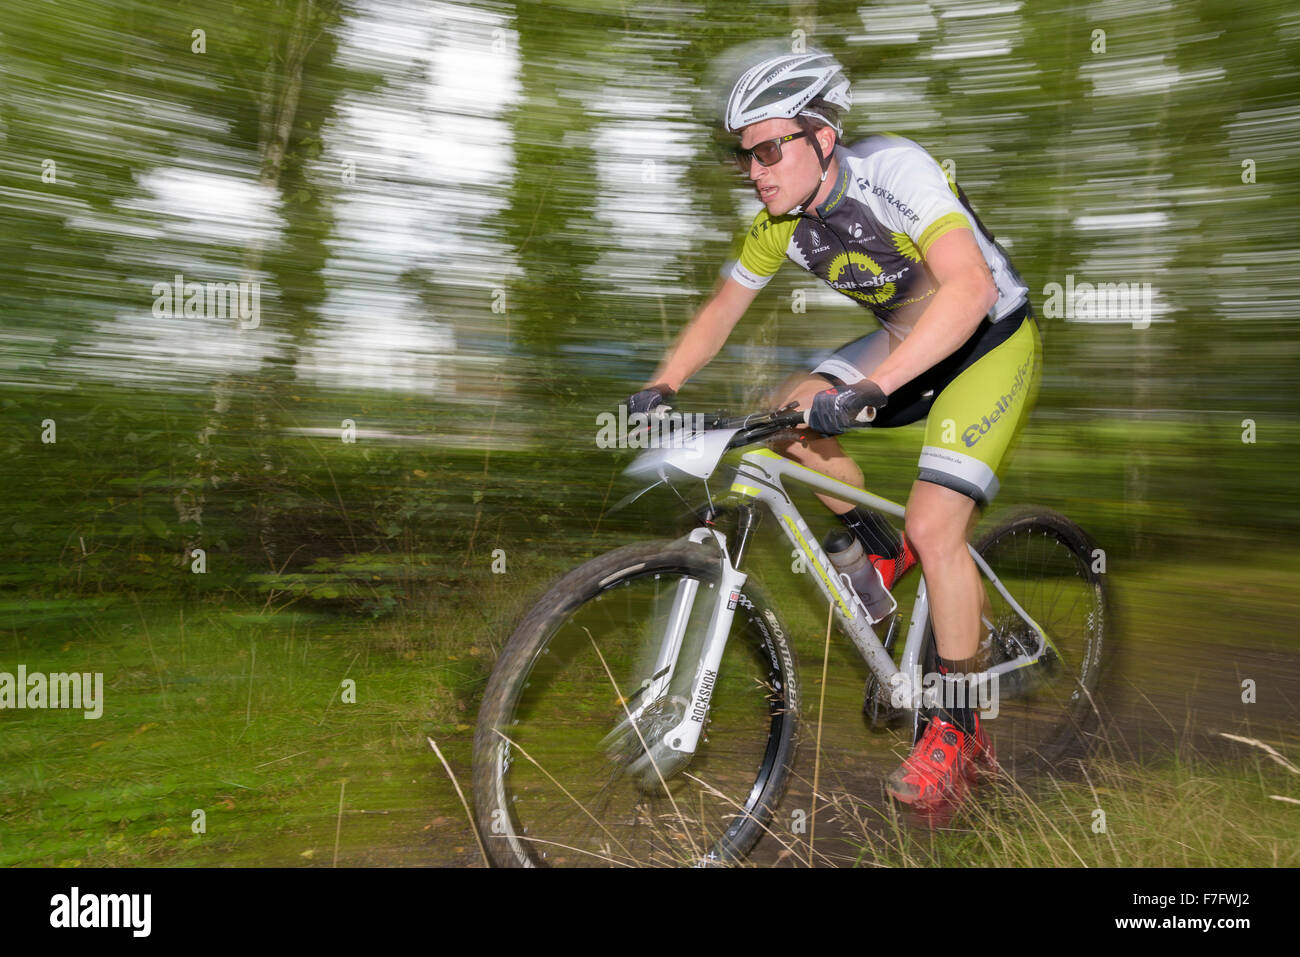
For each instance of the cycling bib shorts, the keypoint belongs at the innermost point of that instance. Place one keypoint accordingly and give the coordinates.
(975, 402)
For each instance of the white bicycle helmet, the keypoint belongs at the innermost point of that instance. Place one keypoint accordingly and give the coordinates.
(783, 85)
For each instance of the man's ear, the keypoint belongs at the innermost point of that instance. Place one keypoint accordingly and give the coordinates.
(826, 137)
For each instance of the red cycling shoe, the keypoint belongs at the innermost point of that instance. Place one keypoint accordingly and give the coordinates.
(942, 764)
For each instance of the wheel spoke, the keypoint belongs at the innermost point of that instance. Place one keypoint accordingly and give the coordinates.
(1045, 564)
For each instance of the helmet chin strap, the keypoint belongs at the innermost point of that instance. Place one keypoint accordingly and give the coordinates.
(825, 163)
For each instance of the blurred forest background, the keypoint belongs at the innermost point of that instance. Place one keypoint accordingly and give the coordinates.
(474, 227)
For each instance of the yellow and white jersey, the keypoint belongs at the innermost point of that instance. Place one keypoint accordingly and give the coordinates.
(890, 202)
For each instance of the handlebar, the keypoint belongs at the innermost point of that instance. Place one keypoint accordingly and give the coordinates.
(757, 426)
(786, 415)
(754, 427)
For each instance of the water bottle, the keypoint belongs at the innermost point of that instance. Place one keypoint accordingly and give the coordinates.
(850, 558)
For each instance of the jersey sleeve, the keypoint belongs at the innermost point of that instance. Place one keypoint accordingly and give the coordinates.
(918, 199)
(759, 253)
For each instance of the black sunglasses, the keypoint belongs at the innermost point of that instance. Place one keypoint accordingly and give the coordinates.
(767, 152)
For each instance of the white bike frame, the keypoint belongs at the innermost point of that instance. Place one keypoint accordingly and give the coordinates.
(759, 480)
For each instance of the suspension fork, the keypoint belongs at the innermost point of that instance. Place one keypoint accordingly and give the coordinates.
(684, 737)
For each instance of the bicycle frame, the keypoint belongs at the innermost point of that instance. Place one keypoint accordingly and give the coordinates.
(759, 480)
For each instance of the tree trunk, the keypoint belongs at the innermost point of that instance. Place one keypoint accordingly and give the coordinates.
(277, 111)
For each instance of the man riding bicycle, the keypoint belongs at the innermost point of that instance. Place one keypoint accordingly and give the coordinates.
(880, 222)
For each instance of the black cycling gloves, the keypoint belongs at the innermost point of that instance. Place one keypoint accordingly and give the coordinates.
(838, 410)
(650, 398)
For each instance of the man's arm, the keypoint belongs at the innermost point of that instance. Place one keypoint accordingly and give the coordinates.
(965, 295)
(704, 336)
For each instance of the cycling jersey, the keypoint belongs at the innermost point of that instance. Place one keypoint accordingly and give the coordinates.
(868, 241)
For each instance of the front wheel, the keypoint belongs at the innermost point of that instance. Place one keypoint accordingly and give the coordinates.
(1048, 565)
(560, 777)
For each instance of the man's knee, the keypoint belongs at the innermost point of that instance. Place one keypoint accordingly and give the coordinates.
(935, 530)
(803, 389)
(789, 390)
(929, 534)
(800, 389)
(793, 449)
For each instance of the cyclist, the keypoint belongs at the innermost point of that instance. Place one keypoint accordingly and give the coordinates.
(880, 222)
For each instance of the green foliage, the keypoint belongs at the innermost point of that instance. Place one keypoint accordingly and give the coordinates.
(500, 269)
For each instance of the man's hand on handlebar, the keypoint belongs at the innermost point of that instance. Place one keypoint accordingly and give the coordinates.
(837, 410)
(650, 398)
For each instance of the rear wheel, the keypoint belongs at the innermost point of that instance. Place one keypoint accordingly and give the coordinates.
(553, 788)
(1046, 563)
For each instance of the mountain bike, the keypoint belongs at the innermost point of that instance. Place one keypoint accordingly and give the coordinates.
(646, 709)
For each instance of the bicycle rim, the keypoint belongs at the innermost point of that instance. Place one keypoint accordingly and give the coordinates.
(571, 796)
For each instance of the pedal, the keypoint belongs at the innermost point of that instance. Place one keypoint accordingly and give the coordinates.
(877, 709)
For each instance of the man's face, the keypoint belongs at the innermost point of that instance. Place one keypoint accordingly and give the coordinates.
(786, 183)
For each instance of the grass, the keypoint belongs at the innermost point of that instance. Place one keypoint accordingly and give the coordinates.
(240, 715)
(1188, 811)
